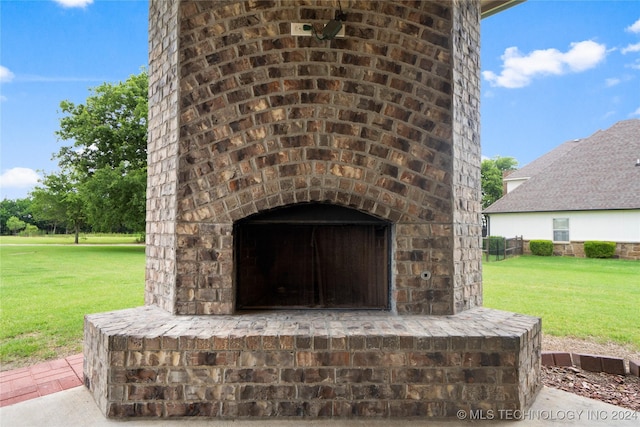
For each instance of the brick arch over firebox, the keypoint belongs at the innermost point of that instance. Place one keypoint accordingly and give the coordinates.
(267, 120)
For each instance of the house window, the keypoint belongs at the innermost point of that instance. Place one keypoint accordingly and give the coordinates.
(560, 229)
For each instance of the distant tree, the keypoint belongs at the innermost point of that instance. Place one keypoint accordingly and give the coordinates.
(29, 230)
(20, 208)
(15, 224)
(46, 208)
(58, 199)
(491, 173)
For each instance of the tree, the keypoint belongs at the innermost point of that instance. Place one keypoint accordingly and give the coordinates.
(30, 230)
(115, 199)
(20, 208)
(109, 129)
(15, 224)
(58, 199)
(109, 153)
(491, 173)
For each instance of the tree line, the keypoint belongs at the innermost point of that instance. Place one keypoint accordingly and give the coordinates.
(101, 182)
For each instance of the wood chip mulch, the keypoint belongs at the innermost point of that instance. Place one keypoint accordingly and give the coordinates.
(623, 391)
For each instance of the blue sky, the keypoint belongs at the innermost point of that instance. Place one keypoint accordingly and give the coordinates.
(552, 71)
(53, 51)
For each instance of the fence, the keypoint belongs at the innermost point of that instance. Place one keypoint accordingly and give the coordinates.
(496, 248)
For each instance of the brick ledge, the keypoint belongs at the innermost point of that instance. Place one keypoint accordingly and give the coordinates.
(150, 322)
(148, 363)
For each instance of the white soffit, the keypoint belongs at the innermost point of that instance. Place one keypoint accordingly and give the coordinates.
(491, 7)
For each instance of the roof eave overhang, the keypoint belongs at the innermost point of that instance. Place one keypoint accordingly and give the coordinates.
(491, 7)
(562, 210)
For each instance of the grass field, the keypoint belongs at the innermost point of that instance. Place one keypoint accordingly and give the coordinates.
(45, 291)
(585, 298)
(67, 239)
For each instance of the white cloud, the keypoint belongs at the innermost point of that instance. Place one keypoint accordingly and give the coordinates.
(612, 82)
(19, 178)
(636, 113)
(5, 75)
(631, 48)
(584, 55)
(74, 3)
(635, 27)
(518, 70)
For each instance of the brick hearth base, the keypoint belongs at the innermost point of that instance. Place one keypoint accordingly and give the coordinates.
(144, 362)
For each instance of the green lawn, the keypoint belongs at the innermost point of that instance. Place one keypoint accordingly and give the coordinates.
(45, 291)
(580, 297)
(67, 239)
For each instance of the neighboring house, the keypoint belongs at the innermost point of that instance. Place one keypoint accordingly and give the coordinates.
(587, 189)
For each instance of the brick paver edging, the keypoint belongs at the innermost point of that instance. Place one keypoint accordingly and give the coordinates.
(592, 363)
(39, 380)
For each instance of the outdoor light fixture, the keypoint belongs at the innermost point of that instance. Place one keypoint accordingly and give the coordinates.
(331, 30)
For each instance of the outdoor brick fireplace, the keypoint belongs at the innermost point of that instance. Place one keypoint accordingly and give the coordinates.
(313, 222)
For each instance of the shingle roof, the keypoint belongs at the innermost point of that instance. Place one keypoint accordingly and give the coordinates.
(541, 163)
(595, 173)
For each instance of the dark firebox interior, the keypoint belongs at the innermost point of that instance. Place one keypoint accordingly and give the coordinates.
(312, 256)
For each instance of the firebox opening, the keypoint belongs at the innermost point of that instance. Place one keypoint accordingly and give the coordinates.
(312, 256)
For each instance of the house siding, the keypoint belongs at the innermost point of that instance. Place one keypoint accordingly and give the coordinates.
(622, 226)
(512, 184)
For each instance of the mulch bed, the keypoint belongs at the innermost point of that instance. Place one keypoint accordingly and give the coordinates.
(619, 390)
